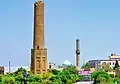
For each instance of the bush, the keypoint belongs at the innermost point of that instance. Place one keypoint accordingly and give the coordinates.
(67, 76)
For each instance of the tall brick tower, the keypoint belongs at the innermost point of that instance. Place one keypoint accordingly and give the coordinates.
(77, 54)
(38, 53)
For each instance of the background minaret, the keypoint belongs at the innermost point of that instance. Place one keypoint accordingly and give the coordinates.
(38, 53)
(77, 53)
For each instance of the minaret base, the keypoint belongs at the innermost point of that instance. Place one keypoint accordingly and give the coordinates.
(38, 61)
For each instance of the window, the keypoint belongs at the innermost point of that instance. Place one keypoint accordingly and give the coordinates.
(38, 64)
(44, 63)
(38, 58)
(37, 47)
(110, 63)
(50, 66)
(38, 71)
(1, 72)
(113, 63)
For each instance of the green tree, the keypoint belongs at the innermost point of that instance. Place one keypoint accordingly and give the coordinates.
(18, 75)
(54, 71)
(19, 78)
(69, 82)
(116, 65)
(34, 78)
(67, 76)
(1, 76)
(86, 66)
(117, 72)
(8, 80)
(117, 79)
(100, 75)
(45, 77)
(70, 69)
(21, 70)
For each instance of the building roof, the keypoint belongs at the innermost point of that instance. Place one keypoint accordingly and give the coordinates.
(66, 62)
(103, 60)
(113, 57)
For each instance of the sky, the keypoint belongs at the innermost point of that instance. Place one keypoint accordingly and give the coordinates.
(95, 22)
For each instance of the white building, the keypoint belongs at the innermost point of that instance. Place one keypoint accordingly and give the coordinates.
(111, 60)
(67, 62)
(13, 69)
(54, 66)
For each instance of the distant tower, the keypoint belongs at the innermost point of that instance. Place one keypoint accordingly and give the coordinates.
(77, 53)
(9, 67)
(38, 53)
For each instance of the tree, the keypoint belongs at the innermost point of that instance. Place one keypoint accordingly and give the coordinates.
(1, 78)
(34, 78)
(71, 69)
(116, 80)
(8, 80)
(87, 66)
(20, 70)
(100, 75)
(117, 72)
(54, 71)
(68, 75)
(45, 77)
(19, 77)
(116, 65)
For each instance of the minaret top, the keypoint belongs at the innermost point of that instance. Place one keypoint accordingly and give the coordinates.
(40, 0)
(77, 44)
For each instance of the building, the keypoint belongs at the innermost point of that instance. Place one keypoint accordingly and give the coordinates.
(2, 70)
(111, 60)
(86, 77)
(56, 67)
(38, 53)
(84, 72)
(14, 68)
(67, 63)
(52, 65)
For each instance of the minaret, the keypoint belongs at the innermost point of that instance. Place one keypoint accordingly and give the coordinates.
(38, 53)
(77, 54)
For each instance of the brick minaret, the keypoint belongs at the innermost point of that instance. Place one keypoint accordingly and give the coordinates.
(77, 53)
(38, 53)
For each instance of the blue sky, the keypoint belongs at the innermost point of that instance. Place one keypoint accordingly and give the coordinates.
(95, 22)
